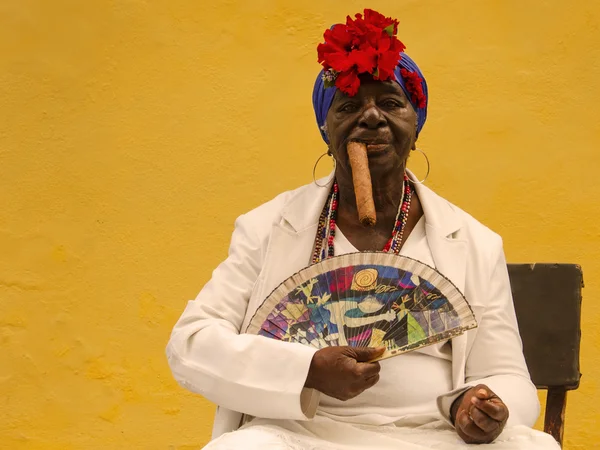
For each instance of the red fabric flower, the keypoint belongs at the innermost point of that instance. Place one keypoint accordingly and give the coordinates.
(348, 82)
(365, 44)
(414, 85)
(379, 20)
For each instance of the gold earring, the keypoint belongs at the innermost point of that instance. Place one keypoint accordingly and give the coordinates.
(328, 153)
(428, 166)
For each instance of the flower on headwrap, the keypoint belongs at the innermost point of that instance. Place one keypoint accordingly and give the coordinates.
(414, 86)
(362, 45)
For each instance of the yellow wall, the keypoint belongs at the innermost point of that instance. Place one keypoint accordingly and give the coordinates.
(133, 132)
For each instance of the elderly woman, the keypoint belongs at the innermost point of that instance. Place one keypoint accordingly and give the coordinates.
(474, 388)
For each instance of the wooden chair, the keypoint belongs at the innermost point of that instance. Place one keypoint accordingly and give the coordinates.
(548, 305)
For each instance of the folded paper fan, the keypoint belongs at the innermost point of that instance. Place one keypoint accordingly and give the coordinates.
(365, 299)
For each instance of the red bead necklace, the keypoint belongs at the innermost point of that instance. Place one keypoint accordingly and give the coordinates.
(326, 227)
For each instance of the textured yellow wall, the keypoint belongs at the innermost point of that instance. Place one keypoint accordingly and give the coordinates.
(133, 132)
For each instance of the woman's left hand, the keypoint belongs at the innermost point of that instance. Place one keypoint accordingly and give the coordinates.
(479, 415)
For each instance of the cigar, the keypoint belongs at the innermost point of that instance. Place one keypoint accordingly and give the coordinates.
(361, 177)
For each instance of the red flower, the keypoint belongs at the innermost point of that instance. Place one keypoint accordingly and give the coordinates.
(380, 21)
(363, 60)
(414, 86)
(389, 56)
(338, 43)
(362, 45)
(348, 82)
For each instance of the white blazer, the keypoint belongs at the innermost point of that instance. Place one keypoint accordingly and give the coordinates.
(209, 353)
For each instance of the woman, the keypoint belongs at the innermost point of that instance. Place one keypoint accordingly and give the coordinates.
(273, 394)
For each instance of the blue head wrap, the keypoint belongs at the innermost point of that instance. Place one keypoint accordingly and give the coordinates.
(323, 97)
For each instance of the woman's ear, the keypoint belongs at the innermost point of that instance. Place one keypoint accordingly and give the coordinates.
(324, 130)
(414, 145)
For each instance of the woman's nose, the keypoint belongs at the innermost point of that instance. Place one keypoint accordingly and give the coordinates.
(372, 118)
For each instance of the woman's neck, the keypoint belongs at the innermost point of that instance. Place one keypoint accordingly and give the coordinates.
(387, 194)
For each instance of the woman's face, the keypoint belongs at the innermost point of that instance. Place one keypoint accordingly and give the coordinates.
(381, 116)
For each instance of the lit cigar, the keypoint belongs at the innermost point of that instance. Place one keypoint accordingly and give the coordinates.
(361, 177)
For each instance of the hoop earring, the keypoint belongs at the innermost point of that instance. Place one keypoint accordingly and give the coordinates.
(428, 166)
(328, 153)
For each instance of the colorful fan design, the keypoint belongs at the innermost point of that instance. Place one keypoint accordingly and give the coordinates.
(365, 300)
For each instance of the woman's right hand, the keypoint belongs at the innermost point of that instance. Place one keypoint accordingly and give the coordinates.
(344, 372)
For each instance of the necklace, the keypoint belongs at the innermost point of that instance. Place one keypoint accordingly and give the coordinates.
(326, 228)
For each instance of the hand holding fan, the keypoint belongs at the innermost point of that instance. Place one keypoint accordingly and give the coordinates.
(365, 300)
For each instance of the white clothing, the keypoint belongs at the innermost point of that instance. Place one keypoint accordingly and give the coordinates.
(210, 354)
(322, 433)
(409, 384)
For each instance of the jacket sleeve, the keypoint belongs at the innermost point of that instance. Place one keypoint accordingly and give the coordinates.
(496, 357)
(250, 374)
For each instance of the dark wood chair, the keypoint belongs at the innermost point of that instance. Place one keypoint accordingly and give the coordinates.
(548, 305)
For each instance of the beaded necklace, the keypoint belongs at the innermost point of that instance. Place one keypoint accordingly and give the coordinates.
(327, 220)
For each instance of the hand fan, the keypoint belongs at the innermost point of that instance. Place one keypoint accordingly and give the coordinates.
(365, 299)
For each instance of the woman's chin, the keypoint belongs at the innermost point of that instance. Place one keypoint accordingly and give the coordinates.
(384, 161)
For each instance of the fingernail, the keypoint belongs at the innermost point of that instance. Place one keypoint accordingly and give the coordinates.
(482, 392)
(474, 400)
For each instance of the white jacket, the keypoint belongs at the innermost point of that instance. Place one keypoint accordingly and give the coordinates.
(209, 354)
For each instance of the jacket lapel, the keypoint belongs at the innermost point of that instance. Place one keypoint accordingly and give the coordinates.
(293, 238)
(442, 223)
(291, 243)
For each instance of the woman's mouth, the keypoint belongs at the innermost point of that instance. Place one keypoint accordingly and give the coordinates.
(373, 149)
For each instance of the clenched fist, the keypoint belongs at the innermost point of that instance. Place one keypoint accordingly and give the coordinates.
(479, 415)
(343, 372)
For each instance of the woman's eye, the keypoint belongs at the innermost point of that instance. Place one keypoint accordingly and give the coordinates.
(349, 107)
(391, 103)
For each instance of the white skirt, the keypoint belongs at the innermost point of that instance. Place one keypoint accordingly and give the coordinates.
(323, 433)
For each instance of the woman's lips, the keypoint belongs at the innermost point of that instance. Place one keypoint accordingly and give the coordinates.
(376, 148)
